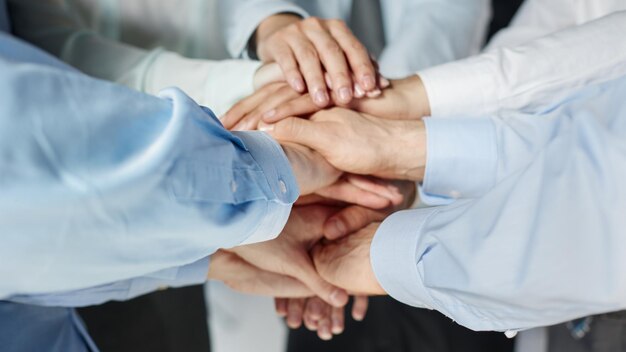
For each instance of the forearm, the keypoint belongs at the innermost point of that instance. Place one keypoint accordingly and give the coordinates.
(524, 77)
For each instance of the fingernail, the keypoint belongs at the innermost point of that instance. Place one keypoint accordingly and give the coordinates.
(358, 91)
(369, 82)
(297, 84)
(384, 83)
(324, 333)
(320, 97)
(339, 298)
(337, 329)
(358, 317)
(269, 114)
(345, 94)
(337, 228)
(266, 127)
(374, 93)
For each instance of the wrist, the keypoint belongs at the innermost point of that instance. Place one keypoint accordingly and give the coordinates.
(414, 92)
(410, 159)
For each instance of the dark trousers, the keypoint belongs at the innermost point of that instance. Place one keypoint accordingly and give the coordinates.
(607, 334)
(165, 321)
(391, 326)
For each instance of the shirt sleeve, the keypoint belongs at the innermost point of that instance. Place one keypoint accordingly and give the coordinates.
(529, 76)
(102, 183)
(58, 27)
(430, 33)
(242, 17)
(191, 274)
(543, 246)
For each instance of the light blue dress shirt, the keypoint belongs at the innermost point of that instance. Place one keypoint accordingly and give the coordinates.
(536, 236)
(109, 193)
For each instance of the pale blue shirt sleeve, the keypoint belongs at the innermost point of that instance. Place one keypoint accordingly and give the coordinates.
(544, 244)
(424, 33)
(191, 274)
(104, 184)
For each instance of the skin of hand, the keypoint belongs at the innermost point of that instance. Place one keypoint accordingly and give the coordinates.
(359, 143)
(346, 262)
(274, 94)
(288, 254)
(244, 277)
(306, 48)
(316, 314)
(311, 170)
(404, 99)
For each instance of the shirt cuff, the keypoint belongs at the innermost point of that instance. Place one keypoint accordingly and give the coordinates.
(394, 257)
(270, 156)
(256, 12)
(461, 161)
(461, 88)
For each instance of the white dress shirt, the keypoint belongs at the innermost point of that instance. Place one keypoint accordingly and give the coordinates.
(140, 44)
(418, 33)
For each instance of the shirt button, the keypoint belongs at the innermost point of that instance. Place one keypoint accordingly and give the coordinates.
(510, 334)
(282, 186)
(233, 186)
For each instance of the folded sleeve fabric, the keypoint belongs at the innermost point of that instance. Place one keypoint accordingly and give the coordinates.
(58, 27)
(191, 274)
(102, 183)
(424, 33)
(544, 245)
(242, 17)
(530, 75)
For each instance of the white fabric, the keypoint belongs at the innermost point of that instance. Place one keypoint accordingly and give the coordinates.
(124, 41)
(530, 65)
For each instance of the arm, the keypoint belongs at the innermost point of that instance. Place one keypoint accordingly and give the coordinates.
(532, 75)
(544, 246)
(57, 27)
(429, 33)
(123, 183)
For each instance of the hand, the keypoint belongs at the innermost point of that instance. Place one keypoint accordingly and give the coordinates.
(360, 143)
(307, 48)
(318, 315)
(288, 254)
(405, 99)
(241, 276)
(346, 262)
(311, 170)
(266, 74)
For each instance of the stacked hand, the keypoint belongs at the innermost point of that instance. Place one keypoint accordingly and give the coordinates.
(345, 159)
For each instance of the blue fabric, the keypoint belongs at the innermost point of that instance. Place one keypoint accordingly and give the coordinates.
(541, 241)
(4, 18)
(108, 193)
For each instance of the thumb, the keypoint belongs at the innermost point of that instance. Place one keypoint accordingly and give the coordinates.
(349, 220)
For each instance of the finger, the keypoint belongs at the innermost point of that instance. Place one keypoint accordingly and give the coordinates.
(383, 188)
(359, 307)
(337, 320)
(313, 308)
(299, 131)
(302, 105)
(250, 120)
(349, 193)
(309, 323)
(295, 307)
(324, 326)
(266, 74)
(333, 59)
(311, 68)
(280, 304)
(349, 220)
(246, 105)
(331, 294)
(357, 55)
(318, 199)
(285, 58)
